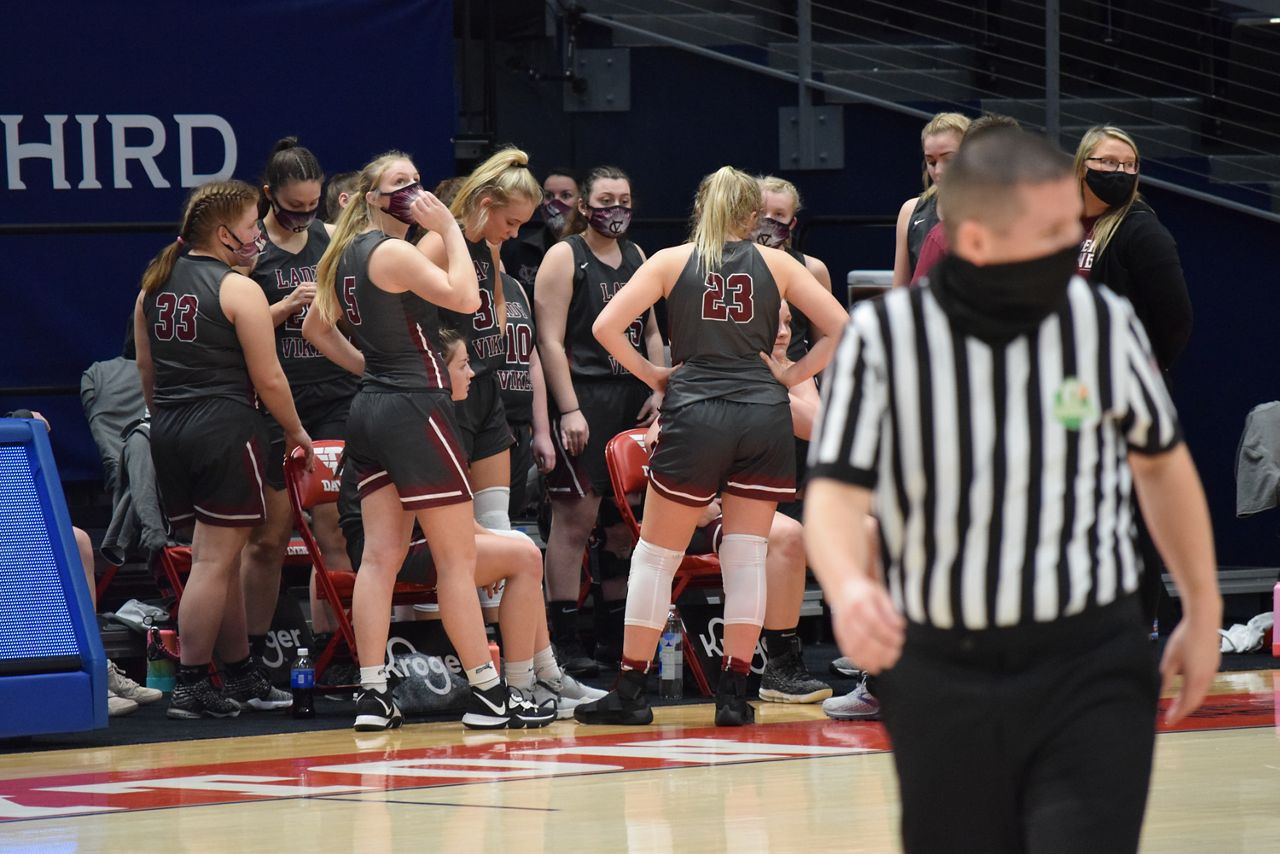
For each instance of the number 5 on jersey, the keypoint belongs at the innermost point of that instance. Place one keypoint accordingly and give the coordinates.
(728, 299)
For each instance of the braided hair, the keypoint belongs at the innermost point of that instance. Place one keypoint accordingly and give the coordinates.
(209, 206)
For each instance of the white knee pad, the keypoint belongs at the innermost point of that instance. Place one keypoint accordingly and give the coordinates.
(742, 567)
(492, 508)
(649, 585)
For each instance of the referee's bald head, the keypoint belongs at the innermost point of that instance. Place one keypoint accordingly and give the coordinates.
(984, 176)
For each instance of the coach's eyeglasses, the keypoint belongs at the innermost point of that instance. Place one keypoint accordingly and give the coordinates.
(1111, 165)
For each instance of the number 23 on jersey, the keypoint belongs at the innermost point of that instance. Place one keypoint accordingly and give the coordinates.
(728, 298)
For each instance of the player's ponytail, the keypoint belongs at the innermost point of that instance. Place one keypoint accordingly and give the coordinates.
(208, 206)
(503, 178)
(353, 220)
(726, 201)
(287, 163)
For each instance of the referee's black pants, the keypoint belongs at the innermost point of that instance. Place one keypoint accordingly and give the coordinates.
(1033, 739)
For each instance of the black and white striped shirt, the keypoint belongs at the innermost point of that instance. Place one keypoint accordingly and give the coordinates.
(1001, 483)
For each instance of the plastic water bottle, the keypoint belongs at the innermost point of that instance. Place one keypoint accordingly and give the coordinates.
(302, 679)
(671, 657)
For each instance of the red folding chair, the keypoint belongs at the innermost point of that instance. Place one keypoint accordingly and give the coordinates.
(628, 462)
(320, 486)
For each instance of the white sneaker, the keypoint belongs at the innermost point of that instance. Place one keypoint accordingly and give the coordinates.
(565, 697)
(119, 706)
(575, 690)
(857, 705)
(122, 686)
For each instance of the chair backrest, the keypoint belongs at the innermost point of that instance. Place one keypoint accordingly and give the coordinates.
(320, 485)
(628, 461)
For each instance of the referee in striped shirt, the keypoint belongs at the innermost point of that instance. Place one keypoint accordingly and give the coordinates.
(999, 422)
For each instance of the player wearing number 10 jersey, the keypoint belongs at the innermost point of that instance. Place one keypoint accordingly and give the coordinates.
(725, 427)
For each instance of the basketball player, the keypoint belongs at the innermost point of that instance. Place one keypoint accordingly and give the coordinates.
(507, 558)
(402, 444)
(491, 205)
(322, 391)
(726, 427)
(205, 346)
(594, 395)
(776, 228)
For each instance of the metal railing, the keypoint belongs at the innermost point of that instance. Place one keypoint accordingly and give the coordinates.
(1207, 127)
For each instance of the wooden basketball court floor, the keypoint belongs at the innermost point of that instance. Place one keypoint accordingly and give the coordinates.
(794, 782)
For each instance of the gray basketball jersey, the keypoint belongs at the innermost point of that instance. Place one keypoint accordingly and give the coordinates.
(398, 333)
(486, 341)
(279, 273)
(194, 347)
(721, 321)
(923, 218)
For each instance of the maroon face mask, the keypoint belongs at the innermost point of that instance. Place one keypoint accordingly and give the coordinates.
(612, 221)
(248, 250)
(769, 232)
(399, 201)
(295, 221)
(553, 212)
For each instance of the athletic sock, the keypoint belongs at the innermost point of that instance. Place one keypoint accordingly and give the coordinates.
(483, 677)
(564, 620)
(519, 673)
(546, 667)
(777, 641)
(374, 678)
(258, 646)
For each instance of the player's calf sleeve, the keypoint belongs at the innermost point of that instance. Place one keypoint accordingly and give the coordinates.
(742, 568)
(649, 584)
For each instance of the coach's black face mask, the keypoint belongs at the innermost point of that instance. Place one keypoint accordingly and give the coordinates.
(999, 302)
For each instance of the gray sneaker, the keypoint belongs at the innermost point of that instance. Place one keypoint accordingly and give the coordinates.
(201, 700)
(787, 680)
(857, 705)
(252, 689)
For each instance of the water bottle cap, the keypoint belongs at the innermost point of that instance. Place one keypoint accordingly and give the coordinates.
(302, 650)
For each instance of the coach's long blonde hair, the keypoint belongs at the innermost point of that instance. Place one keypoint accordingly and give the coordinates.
(1105, 228)
(353, 220)
(727, 200)
(504, 177)
(956, 123)
(209, 206)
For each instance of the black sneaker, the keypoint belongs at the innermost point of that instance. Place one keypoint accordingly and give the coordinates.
(200, 700)
(787, 680)
(252, 689)
(625, 705)
(375, 710)
(502, 707)
(732, 708)
(573, 659)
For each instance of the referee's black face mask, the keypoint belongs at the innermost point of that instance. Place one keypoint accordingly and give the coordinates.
(1002, 301)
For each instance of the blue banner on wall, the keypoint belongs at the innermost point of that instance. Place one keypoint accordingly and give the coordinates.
(111, 112)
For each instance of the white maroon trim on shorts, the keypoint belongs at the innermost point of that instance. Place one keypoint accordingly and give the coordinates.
(374, 476)
(678, 496)
(462, 472)
(257, 473)
(780, 490)
(569, 466)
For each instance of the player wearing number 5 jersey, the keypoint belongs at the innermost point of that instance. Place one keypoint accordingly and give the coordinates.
(205, 345)
(402, 440)
(593, 396)
(725, 429)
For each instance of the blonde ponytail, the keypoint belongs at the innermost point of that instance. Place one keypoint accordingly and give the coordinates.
(726, 200)
(209, 206)
(503, 178)
(352, 221)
